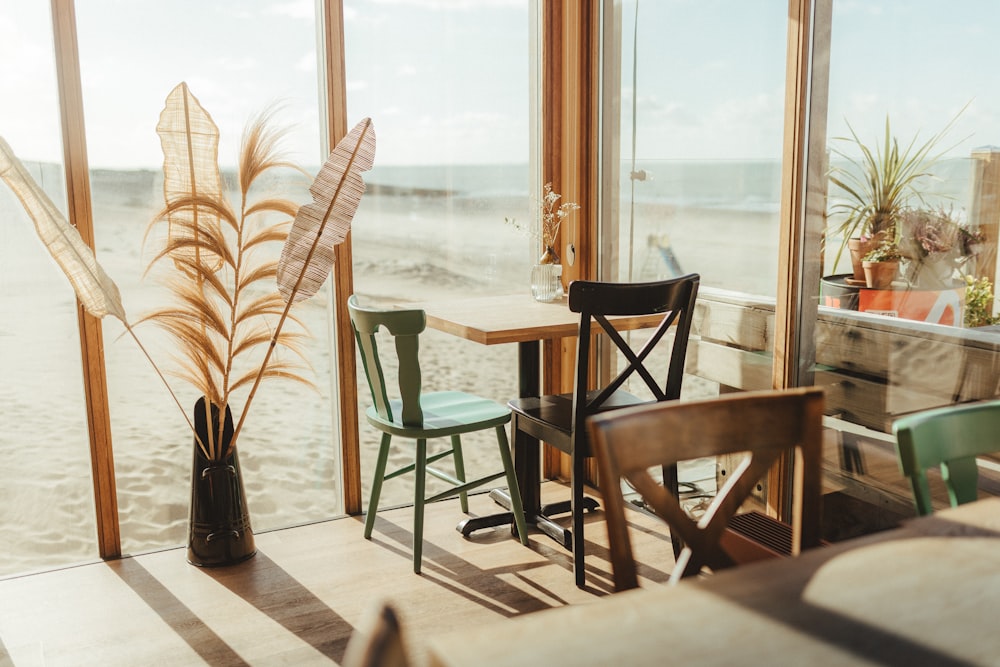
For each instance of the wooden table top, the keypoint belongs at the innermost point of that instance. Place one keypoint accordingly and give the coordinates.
(513, 318)
(927, 593)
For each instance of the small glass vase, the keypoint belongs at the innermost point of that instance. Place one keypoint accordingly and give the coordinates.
(546, 277)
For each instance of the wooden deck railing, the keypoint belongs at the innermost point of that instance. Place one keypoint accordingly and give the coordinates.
(875, 369)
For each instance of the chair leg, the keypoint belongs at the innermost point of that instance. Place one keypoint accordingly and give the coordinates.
(576, 485)
(383, 456)
(419, 483)
(456, 454)
(672, 484)
(516, 506)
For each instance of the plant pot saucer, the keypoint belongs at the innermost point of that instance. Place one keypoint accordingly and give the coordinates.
(856, 283)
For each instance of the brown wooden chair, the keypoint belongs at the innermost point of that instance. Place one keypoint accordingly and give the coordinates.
(559, 419)
(763, 424)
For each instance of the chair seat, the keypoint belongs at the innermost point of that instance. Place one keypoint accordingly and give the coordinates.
(556, 412)
(445, 413)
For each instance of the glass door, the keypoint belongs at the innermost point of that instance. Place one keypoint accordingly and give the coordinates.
(909, 172)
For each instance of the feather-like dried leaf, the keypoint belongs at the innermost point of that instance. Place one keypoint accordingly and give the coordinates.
(218, 287)
(286, 206)
(276, 369)
(264, 272)
(278, 233)
(268, 304)
(307, 257)
(190, 141)
(259, 148)
(94, 288)
(192, 339)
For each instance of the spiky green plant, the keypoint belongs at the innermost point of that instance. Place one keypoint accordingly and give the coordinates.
(226, 303)
(875, 187)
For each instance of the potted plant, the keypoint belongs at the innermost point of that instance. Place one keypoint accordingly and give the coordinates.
(881, 265)
(979, 303)
(206, 239)
(873, 188)
(935, 245)
(546, 274)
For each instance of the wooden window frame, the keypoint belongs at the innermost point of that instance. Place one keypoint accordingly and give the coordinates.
(570, 145)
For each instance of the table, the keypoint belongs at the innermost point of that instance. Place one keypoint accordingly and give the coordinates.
(517, 318)
(924, 594)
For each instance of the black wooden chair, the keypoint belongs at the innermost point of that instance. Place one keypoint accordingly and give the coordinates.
(559, 419)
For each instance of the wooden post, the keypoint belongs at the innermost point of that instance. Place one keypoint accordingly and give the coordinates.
(91, 337)
(343, 271)
(570, 69)
(985, 206)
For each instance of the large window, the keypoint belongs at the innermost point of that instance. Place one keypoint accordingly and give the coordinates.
(46, 501)
(238, 59)
(701, 111)
(695, 182)
(918, 341)
(450, 105)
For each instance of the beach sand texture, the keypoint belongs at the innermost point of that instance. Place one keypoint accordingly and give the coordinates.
(409, 246)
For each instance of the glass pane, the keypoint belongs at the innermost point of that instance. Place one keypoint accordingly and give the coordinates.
(922, 339)
(449, 102)
(46, 504)
(701, 140)
(238, 59)
(699, 123)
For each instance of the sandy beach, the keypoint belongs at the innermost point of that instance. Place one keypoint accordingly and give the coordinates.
(407, 247)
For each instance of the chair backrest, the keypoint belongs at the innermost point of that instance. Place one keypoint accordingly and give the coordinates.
(949, 437)
(405, 326)
(596, 302)
(764, 424)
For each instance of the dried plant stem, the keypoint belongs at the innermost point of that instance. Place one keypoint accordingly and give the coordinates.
(156, 368)
(233, 310)
(291, 299)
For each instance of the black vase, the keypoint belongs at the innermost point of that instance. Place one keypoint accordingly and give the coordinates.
(219, 531)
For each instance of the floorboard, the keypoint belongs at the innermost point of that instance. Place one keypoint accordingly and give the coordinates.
(300, 598)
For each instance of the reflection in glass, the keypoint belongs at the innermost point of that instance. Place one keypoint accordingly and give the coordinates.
(699, 124)
(885, 352)
(700, 141)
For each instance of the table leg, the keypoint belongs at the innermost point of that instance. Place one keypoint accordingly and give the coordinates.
(527, 462)
(527, 466)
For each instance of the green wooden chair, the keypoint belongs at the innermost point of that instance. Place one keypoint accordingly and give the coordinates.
(423, 416)
(949, 437)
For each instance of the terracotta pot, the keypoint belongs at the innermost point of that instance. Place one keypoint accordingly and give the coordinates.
(858, 249)
(879, 275)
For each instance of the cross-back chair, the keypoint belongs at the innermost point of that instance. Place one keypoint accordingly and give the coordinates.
(763, 424)
(559, 419)
(422, 416)
(950, 438)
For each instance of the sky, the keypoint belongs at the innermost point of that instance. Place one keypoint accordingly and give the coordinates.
(446, 81)
(402, 59)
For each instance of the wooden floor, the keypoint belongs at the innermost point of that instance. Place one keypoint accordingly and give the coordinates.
(298, 600)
